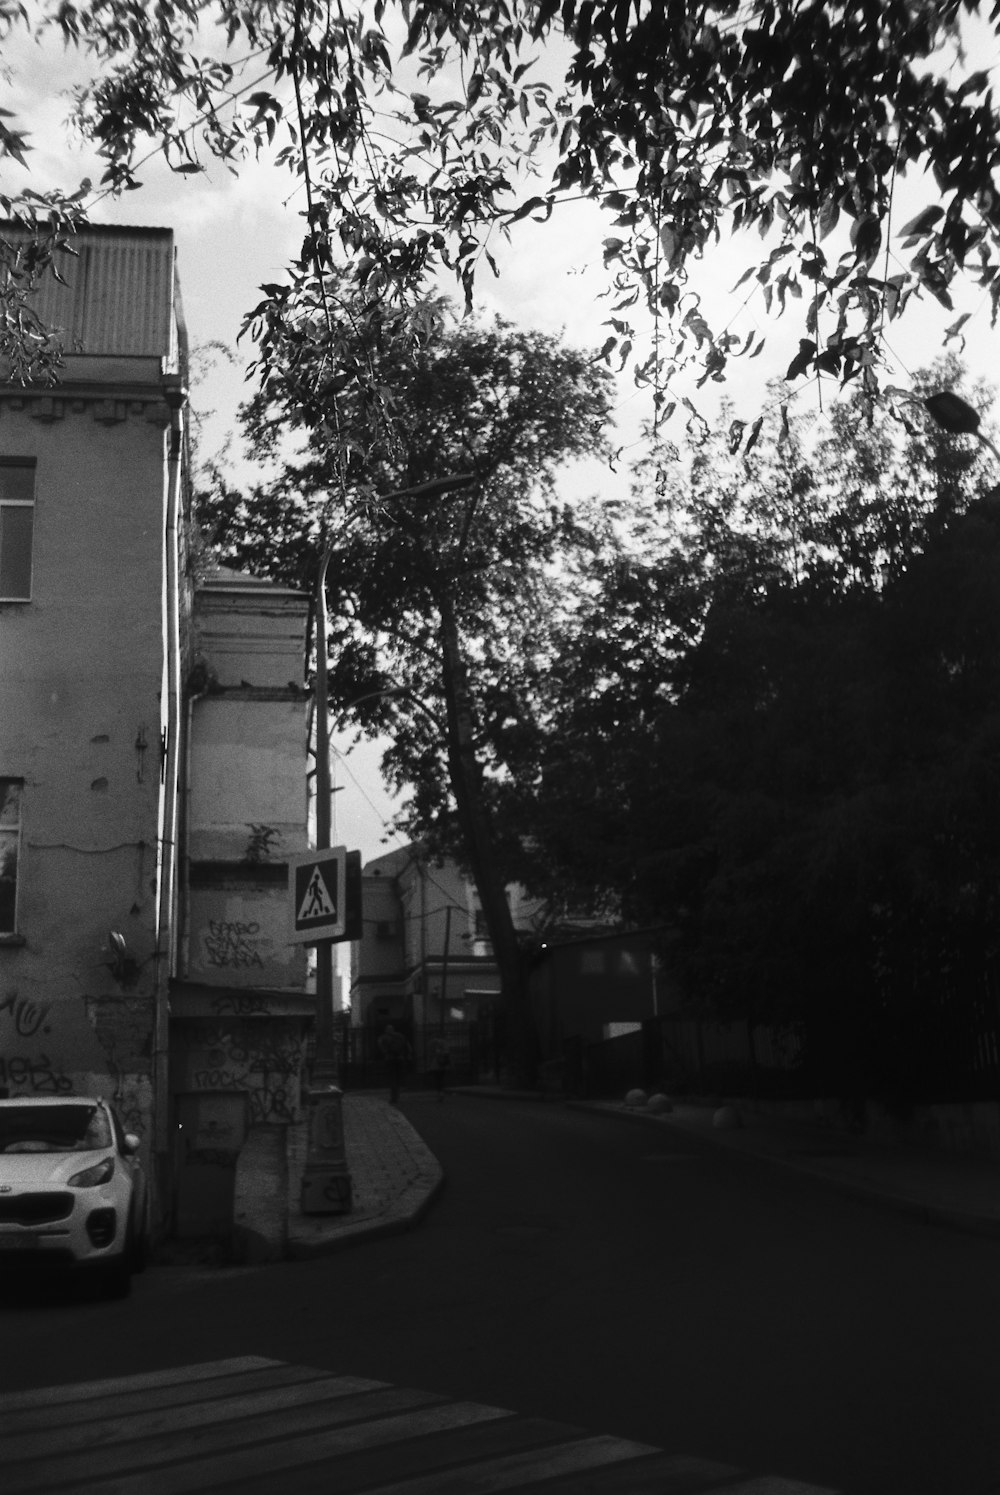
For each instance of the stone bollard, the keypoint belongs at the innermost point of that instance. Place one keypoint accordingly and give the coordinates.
(326, 1179)
(659, 1104)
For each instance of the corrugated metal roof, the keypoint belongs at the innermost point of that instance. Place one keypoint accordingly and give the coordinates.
(119, 293)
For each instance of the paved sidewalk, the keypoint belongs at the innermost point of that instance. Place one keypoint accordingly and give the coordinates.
(937, 1186)
(394, 1176)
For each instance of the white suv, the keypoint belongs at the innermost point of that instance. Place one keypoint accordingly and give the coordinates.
(72, 1189)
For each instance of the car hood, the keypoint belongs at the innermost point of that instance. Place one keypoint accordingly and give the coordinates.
(45, 1170)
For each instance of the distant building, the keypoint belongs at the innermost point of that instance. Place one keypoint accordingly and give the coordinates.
(425, 960)
(596, 984)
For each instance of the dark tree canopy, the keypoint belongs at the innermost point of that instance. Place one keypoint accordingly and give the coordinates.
(778, 729)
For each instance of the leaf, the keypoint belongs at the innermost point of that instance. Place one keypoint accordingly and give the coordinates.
(829, 216)
(955, 329)
(754, 433)
(923, 223)
(530, 206)
(803, 360)
(668, 243)
(866, 237)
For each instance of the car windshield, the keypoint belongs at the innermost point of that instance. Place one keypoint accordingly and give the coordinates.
(53, 1128)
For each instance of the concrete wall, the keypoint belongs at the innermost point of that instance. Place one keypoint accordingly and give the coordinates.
(240, 1010)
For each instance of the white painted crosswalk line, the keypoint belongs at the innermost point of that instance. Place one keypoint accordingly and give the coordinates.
(91, 1452)
(82, 1391)
(517, 1470)
(284, 1382)
(139, 1467)
(253, 1426)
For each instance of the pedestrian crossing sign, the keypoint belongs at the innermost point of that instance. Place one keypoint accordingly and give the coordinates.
(318, 895)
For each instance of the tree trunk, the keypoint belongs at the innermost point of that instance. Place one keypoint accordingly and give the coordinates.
(466, 785)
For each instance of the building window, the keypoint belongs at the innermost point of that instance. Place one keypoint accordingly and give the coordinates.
(10, 839)
(17, 523)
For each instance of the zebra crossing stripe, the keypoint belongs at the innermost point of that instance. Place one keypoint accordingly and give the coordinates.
(256, 1426)
(81, 1391)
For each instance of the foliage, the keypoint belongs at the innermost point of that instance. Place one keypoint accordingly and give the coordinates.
(504, 410)
(449, 556)
(414, 128)
(780, 733)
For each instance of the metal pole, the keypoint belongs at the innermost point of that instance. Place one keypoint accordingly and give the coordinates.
(444, 966)
(326, 1179)
(325, 1063)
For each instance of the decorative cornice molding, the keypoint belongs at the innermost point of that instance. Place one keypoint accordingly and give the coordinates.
(109, 404)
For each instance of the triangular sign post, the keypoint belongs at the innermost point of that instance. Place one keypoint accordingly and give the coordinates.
(317, 884)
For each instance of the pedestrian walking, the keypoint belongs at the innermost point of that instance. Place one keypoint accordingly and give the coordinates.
(395, 1050)
(438, 1064)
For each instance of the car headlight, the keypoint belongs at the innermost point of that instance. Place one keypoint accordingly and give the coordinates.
(91, 1177)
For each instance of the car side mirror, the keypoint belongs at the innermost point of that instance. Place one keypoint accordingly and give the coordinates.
(130, 1143)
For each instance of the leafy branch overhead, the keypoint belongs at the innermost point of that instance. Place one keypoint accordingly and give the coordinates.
(422, 131)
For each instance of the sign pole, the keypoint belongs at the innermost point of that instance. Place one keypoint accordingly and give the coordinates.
(325, 1065)
(326, 1180)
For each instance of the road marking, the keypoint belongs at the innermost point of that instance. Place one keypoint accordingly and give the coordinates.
(83, 1390)
(260, 1427)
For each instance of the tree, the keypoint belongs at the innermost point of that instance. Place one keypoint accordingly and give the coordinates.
(410, 124)
(791, 716)
(445, 601)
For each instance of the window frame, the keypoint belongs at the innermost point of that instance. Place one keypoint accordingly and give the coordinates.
(30, 464)
(12, 832)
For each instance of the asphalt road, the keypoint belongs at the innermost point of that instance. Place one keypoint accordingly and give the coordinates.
(632, 1281)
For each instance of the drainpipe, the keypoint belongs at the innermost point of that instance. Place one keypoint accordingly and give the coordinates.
(175, 395)
(184, 871)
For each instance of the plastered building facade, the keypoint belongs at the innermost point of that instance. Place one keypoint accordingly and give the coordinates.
(91, 500)
(152, 755)
(240, 1009)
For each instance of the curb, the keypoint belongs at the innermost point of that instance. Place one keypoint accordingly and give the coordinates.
(539, 1096)
(406, 1211)
(394, 1222)
(928, 1214)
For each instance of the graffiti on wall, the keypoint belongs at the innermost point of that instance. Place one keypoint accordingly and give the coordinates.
(265, 1063)
(27, 1066)
(233, 943)
(240, 1004)
(50, 1048)
(28, 1015)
